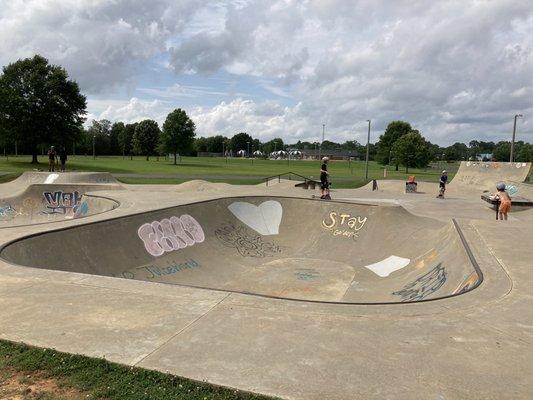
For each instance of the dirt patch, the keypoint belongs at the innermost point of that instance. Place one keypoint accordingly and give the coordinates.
(16, 385)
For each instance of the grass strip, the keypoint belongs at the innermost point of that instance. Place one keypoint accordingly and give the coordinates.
(102, 379)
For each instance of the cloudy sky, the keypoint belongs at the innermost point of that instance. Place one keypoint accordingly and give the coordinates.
(456, 70)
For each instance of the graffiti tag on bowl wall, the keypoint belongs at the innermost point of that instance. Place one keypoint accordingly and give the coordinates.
(60, 202)
(344, 225)
(154, 271)
(170, 234)
(7, 212)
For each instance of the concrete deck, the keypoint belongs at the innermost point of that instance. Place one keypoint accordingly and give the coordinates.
(475, 345)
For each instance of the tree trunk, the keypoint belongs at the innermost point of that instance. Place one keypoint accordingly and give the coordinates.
(147, 157)
(406, 169)
(397, 166)
(34, 158)
(175, 156)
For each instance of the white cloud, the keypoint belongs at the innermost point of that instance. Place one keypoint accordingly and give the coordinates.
(135, 110)
(97, 41)
(455, 70)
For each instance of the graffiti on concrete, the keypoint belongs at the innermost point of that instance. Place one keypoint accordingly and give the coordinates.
(51, 178)
(264, 218)
(511, 190)
(387, 266)
(307, 274)
(344, 225)
(468, 284)
(82, 210)
(60, 202)
(153, 271)
(7, 212)
(247, 243)
(170, 234)
(424, 286)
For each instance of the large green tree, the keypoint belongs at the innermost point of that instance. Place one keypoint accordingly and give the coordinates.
(39, 104)
(394, 131)
(114, 144)
(125, 139)
(523, 152)
(146, 138)
(211, 144)
(178, 133)
(412, 150)
(99, 134)
(240, 142)
(456, 152)
(273, 145)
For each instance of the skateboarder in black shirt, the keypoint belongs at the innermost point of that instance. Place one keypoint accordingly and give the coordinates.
(324, 180)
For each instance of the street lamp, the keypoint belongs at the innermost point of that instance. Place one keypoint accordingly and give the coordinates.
(94, 147)
(367, 150)
(514, 133)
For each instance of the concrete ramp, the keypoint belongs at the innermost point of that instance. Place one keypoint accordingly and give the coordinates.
(472, 179)
(290, 248)
(483, 176)
(42, 203)
(94, 178)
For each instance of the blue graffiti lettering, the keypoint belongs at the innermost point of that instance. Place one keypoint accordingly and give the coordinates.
(60, 202)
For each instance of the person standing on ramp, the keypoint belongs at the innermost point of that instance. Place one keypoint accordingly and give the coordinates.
(324, 179)
(442, 184)
(504, 202)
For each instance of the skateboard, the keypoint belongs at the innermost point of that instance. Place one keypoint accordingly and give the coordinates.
(326, 197)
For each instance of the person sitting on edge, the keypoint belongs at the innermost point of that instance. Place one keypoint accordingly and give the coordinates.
(52, 156)
(505, 201)
(442, 183)
(324, 179)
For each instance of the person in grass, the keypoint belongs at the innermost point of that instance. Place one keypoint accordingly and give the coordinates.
(63, 158)
(324, 179)
(52, 156)
(504, 201)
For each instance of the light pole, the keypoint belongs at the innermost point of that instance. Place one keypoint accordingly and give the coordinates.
(320, 145)
(94, 147)
(514, 133)
(367, 150)
(248, 143)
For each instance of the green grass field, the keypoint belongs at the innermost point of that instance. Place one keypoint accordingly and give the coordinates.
(233, 170)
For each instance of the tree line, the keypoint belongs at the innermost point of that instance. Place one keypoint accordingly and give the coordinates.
(40, 106)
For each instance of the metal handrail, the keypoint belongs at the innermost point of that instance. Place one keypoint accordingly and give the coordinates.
(305, 178)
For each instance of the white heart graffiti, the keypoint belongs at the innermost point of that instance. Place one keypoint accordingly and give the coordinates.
(170, 234)
(264, 218)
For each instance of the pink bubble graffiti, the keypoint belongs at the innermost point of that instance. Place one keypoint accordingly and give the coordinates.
(170, 234)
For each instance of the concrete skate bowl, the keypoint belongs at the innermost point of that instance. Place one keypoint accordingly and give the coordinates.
(298, 249)
(44, 203)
